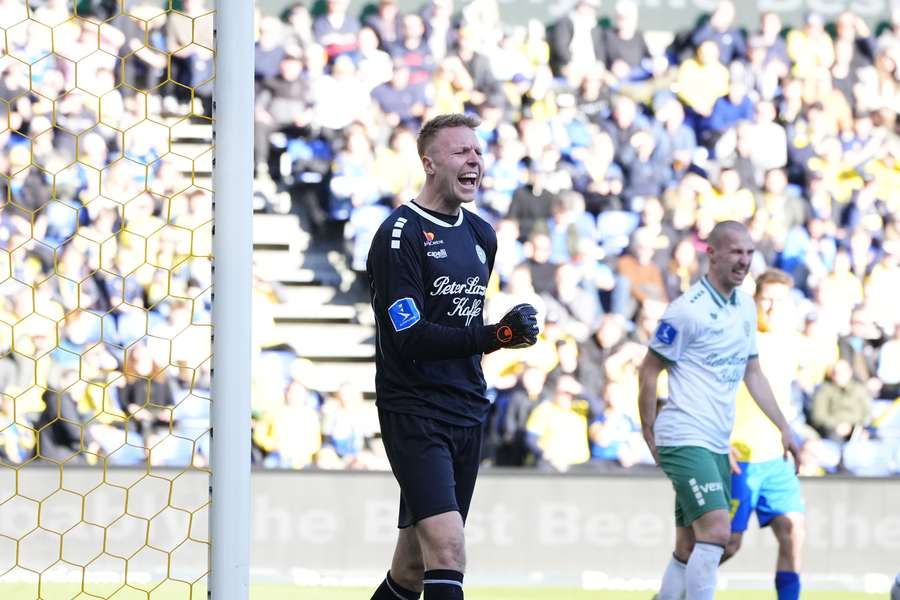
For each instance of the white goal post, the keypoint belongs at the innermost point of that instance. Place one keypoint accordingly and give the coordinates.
(232, 285)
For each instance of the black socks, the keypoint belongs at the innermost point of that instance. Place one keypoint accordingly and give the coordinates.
(391, 590)
(442, 584)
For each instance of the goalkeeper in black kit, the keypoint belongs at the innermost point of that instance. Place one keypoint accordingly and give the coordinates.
(428, 269)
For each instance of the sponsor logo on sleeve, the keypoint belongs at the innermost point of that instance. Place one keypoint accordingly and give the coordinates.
(404, 314)
(666, 333)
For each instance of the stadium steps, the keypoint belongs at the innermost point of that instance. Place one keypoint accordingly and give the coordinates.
(197, 131)
(192, 150)
(313, 303)
(327, 375)
(330, 341)
(323, 316)
(279, 232)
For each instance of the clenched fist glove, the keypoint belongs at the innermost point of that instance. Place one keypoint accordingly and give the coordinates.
(517, 329)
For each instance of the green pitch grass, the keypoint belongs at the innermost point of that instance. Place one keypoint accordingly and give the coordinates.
(15, 591)
(287, 592)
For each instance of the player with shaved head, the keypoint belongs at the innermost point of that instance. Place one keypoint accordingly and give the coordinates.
(706, 340)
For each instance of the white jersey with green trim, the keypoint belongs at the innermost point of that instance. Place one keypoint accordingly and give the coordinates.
(706, 341)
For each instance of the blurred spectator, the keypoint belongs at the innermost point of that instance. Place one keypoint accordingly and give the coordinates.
(576, 307)
(350, 182)
(576, 43)
(568, 225)
(63, 433)
(336, 30)
(702, 80)
(645, 175)
(440, 33)
(841, 404)
(400, 103)
(810, 48)
(412, 51)
(340, 98)
(615, 434)
(519, 288)
(188, 37)
(683, 269)
(771, 40)
(299, 26)
(531, 203)
(270, 50)
(511, 411)
(851, 29)
(282, 105)
(386, 22)
(726, 113)
(373, 64)
(767, 139)
(643, 274)
(347, 425)
(594, 352)
(721, 30)
(538, 258)
(858, 350)
(625, 121)
(484, 87)
(557, 432)
(675, 140)
(289, 432)
(626, 53)
(504, 174)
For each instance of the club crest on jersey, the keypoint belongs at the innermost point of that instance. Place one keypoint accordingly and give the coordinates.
(481, 255)
(665, 333)
(404, 314)
(429, 239)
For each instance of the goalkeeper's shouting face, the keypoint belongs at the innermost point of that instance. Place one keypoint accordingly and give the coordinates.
(454, 165)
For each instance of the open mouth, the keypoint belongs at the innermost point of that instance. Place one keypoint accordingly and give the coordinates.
(469, 180)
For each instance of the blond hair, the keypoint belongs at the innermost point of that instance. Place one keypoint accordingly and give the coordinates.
(430, 129)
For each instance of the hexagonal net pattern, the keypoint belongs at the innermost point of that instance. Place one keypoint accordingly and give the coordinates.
(105, 298)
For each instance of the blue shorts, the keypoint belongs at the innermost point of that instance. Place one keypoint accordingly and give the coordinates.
(770, 488)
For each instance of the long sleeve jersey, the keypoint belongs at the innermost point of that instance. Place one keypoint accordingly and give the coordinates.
(428, 275)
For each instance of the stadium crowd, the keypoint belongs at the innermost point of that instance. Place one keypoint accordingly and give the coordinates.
(106, 244)
(609, 157)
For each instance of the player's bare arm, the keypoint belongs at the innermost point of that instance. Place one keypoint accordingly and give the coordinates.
(761, 391)
(648, 375)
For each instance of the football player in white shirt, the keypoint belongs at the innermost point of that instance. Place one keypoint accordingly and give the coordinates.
(706, 340)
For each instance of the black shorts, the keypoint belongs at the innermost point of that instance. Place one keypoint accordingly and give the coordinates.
(435, 464)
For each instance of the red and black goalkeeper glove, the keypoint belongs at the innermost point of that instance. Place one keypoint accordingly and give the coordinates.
(517, 329)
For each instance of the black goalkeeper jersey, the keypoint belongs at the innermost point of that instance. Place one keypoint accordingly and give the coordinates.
(428, 279)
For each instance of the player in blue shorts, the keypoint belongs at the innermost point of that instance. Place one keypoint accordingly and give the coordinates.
(762, 481)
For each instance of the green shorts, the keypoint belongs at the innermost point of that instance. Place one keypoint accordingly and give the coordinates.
(701, 478)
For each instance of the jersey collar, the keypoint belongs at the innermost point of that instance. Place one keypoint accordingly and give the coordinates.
(717, 297)
(412, 206)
